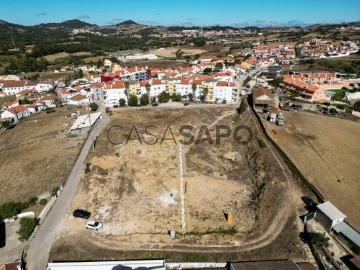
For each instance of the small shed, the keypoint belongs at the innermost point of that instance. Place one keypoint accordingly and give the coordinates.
(348, 235)
(328, 215)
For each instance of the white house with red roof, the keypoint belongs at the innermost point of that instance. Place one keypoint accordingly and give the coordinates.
(224, 90)
(113, 92)
(78, 100)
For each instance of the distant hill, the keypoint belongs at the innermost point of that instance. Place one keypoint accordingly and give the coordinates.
(127, 22)
(70, 24)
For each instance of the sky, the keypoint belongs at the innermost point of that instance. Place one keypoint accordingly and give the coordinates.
(185, 12)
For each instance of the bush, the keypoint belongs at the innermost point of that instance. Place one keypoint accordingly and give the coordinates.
(93, 106)
(133, 101)
(11, 209)
(122, 102)
(32, 200)
(27, 226)
(261, 143)
(164, 97)
(43, 201)
(144, 100)
(116, 106)
(319, 240)
(54, 191)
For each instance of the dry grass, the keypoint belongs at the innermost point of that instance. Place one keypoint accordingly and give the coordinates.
(134, 189)
(52, 57)
(35, 156)
(326, 151)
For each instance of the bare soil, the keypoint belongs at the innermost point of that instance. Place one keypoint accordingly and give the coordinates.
(36, 155)
(325, 150)
(135, 190)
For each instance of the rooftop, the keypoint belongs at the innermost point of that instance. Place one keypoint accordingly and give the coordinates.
(331, 211)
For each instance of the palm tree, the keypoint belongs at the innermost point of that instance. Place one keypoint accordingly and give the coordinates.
(193, 87)
(148, 87)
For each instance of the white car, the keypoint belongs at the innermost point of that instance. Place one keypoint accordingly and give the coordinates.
(93, 224)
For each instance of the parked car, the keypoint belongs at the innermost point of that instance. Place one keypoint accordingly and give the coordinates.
(80, 213)
(93, 224)
(309, 202)
(155, 104)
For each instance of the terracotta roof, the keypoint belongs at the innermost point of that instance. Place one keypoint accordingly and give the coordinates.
(78, 97)
(20, 108)
(221, 83)
(115, 85)
(262, 91)
(10, 266)
(10, 84)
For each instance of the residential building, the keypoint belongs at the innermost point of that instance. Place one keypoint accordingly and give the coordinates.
(328, 215)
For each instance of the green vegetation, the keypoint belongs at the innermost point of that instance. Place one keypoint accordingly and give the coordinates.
(339, 94)
(176, 97)
(242, 108)
(133, 101)
(87, 167)
(144, 100)
(356, 106)
(275, 82)
(261, 143)
(207, 71)
(122, 102)
(54, 191)
(10, 209)
(43, 201)
(93, 106)
(164, 97)
(27, 226)
(6, 124)
(319, 240)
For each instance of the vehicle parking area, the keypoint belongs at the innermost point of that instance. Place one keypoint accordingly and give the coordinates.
(137, 192)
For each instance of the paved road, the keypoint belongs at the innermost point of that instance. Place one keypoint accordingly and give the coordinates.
(40, 245)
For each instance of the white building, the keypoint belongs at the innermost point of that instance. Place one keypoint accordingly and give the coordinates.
(113, 92)
(224, 91)
(328, 215)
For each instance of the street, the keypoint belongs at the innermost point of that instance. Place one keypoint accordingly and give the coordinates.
(38, 253)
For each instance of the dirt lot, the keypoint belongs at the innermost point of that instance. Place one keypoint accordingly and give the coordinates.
(35, 156)
(136, 191)
(325, 150)
(170, 52)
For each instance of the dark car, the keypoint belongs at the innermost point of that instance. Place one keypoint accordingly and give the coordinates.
(309, 202)
(79, 213)
(155, 104)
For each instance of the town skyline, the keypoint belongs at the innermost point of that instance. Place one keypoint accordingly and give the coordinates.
(164, 13)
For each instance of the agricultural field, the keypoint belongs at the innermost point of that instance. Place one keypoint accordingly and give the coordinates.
(143, 190)
(36, 155)
(170, 52)
(325, 150)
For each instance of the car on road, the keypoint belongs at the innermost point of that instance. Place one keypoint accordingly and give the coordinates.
(93, 224)
(80, 213)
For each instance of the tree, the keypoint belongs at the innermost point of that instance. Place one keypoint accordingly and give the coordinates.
(190, 96)
(93, 106)
(27, 226)
(6, 124)
(194, 87)
(207, 71)
(196, 56)
(219, 66)
(176, 97)
(122, 102)
(144, 100)
(148, 88)
(10, 209)
(133, 101)
(179, 54)
(319, 240)
(164, 97)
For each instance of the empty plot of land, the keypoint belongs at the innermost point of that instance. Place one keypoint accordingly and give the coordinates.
(326, 151)
(136, 190)
(170, 52)
(36, 155)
